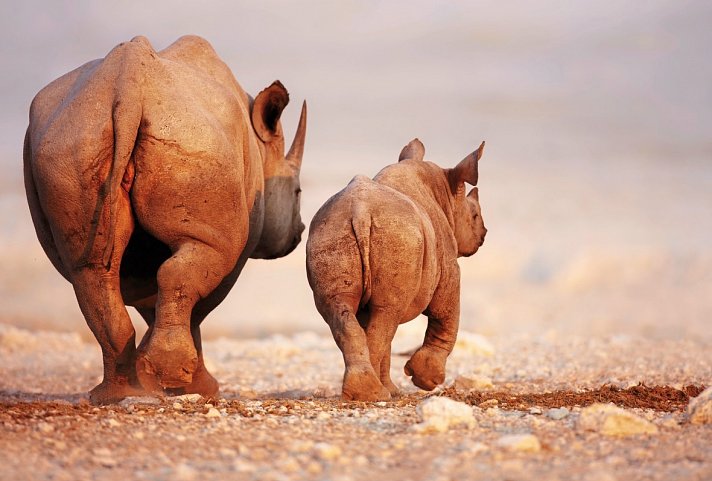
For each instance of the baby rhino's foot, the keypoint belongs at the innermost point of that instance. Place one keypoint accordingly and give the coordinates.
(113, 392)
(362, 384)
(427, 367)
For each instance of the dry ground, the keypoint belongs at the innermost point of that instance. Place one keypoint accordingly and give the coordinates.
(280, 417)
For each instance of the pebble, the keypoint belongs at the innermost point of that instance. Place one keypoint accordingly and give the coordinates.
(212, 413)
(189, 398)
(525, 443)
(535, 410)
(177, 406)
(45, 427)
(611, 420)
(113, 423)
(439, 414)
(104, 457)
(699, 410)
(472, 343)
(467, 383)
(327, 451)
(132, 400)
(557, 413)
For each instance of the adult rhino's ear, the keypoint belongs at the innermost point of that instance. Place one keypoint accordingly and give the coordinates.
(466, 170)
(266, 110)
(414, 150)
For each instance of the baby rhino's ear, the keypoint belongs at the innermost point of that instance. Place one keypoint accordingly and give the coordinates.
(414, 150)
(466, 170)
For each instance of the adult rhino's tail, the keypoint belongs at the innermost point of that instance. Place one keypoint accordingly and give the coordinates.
(361, 224)
(126, 114)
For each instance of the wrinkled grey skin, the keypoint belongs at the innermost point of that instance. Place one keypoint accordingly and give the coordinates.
(383, 251)
(151, 177)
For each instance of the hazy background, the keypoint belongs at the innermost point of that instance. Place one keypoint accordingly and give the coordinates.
(596, 184)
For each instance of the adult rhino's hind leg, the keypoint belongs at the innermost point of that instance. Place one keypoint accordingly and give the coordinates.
(170, 358)
(99, 295)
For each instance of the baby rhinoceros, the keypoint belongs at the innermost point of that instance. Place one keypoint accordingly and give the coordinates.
(383, 251)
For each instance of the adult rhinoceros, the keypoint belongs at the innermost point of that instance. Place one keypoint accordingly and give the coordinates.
(151, 178)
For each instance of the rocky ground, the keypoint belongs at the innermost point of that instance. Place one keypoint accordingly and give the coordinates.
(524, 407)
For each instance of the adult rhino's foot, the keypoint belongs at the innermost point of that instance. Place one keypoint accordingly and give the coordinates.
(362, 384)
(203, 383)
(427, 367)
(109, 392)
(169, 359)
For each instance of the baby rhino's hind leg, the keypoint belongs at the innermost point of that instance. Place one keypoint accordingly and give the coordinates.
(380, 330)
(361, 383)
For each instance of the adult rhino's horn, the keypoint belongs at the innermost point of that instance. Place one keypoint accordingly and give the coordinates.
(296, 151)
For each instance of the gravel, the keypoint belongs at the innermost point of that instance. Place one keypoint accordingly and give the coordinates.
(280, 417)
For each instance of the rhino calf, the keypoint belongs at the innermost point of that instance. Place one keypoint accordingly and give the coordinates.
(383, 251)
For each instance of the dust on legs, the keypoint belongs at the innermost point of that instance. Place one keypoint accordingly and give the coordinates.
(362, 384)
(427, 367)
(169, 358)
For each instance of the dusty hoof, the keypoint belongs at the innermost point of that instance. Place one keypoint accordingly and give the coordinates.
(362, 384)
(427, 369)
(112, 392)
(169, 360)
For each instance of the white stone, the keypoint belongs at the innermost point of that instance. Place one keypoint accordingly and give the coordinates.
(699, 410)
(611, 420)
(189, 398)
(525, 443)
(557, 413)
(472, 343)
(45, 427)
(327, 451)
(212, 413)
(130, 401)
(467, 383)
(439, 414)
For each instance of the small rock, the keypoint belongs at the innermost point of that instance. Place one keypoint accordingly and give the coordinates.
(104, 457)
(212, 413)
(557, 413)
(132, 400)
(472, 343)
(113, 423)
(535, 410)
(327, 451)
(699, 410)
(438, 414)
(45, 427)
(189, 398)
(184, 472)
(614, 421)
(467, 383)
(489, 403)
(323, 415)
(525, 443)
(177, 406)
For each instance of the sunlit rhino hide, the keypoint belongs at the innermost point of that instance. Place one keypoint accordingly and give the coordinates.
(383, 251)
(151, 178)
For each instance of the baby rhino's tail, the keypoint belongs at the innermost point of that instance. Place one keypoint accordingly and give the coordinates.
(361, 223)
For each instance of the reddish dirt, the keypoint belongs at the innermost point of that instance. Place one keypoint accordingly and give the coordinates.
(658, 398)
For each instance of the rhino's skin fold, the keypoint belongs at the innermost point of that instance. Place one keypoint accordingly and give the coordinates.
(151, 178)
(381, 252)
